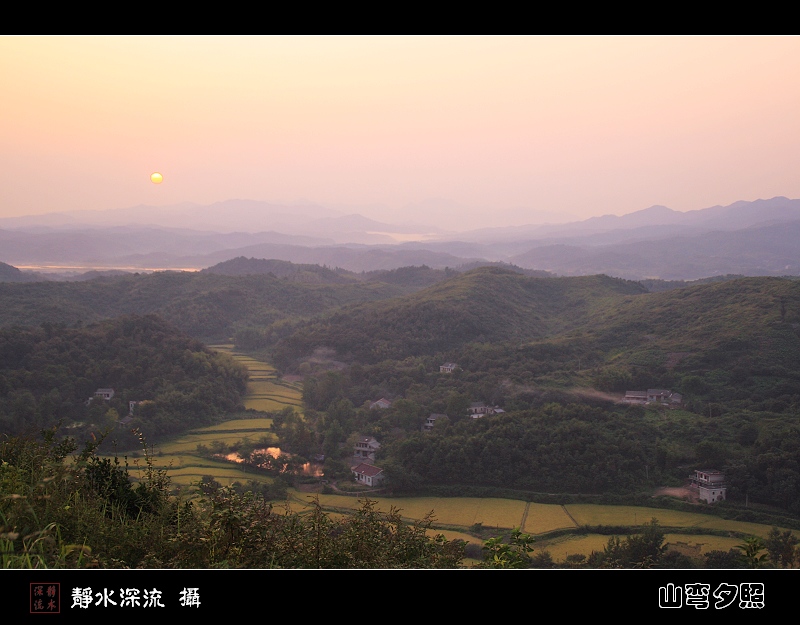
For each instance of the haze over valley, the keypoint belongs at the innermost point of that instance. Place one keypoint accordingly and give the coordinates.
(744, 238)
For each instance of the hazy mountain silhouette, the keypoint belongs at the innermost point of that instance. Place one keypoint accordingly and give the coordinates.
(748, 238)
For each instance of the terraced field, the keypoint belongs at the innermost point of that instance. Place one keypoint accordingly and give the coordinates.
(264, 390)
(180, 457)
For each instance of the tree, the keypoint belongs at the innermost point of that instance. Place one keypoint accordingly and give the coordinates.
(751, 554)
(643, 550)
(457, 406)
(716, 559)
(511, 555)
(781, 547)
(646, 549)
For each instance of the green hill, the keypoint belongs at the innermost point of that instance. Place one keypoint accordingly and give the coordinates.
(487, 304)
(207, 306)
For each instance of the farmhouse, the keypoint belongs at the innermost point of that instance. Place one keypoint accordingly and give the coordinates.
(368, 474)
(635, 397)
(710, 485)
(366, 447)
(431, 421)
(448, 367)
(653, 396)
(478, 409)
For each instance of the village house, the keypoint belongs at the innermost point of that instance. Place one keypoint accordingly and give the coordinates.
(431, 421)
(368, 474)
(478, 409)
(448, 367)
(653, 396)
(365, 448)
(101, 393)
(635, 397)
(710, 485)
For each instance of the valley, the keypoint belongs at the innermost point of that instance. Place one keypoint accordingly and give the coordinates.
(498, 388)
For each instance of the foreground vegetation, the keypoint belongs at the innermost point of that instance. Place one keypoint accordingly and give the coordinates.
(84, 511)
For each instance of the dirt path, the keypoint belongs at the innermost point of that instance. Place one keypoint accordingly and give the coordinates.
(680, 492)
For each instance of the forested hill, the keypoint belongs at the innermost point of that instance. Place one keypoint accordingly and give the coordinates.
(738, 339)
(207, 306)
(295, 272)
(8, 273)
(48, 373)
(747, 312)
(556, 355)
(412, 277)
(488, 304)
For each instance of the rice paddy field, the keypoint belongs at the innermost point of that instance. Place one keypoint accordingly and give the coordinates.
(691, 545)
(588, 514)
(541, 520)
(456, 511)
(264, 390)
(180, 457)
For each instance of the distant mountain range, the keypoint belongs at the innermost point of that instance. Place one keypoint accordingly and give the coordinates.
(758, 238)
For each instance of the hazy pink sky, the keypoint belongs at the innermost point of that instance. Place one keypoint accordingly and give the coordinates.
(504, 126)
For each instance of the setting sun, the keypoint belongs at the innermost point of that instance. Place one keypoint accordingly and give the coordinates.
(156, 178)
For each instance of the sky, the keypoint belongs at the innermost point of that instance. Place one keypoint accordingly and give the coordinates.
(459, 131)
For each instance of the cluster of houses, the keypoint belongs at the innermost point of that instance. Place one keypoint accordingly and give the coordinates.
(106, 394)
(363, 470)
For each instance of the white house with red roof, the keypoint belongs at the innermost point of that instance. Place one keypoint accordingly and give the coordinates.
(368, 474)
